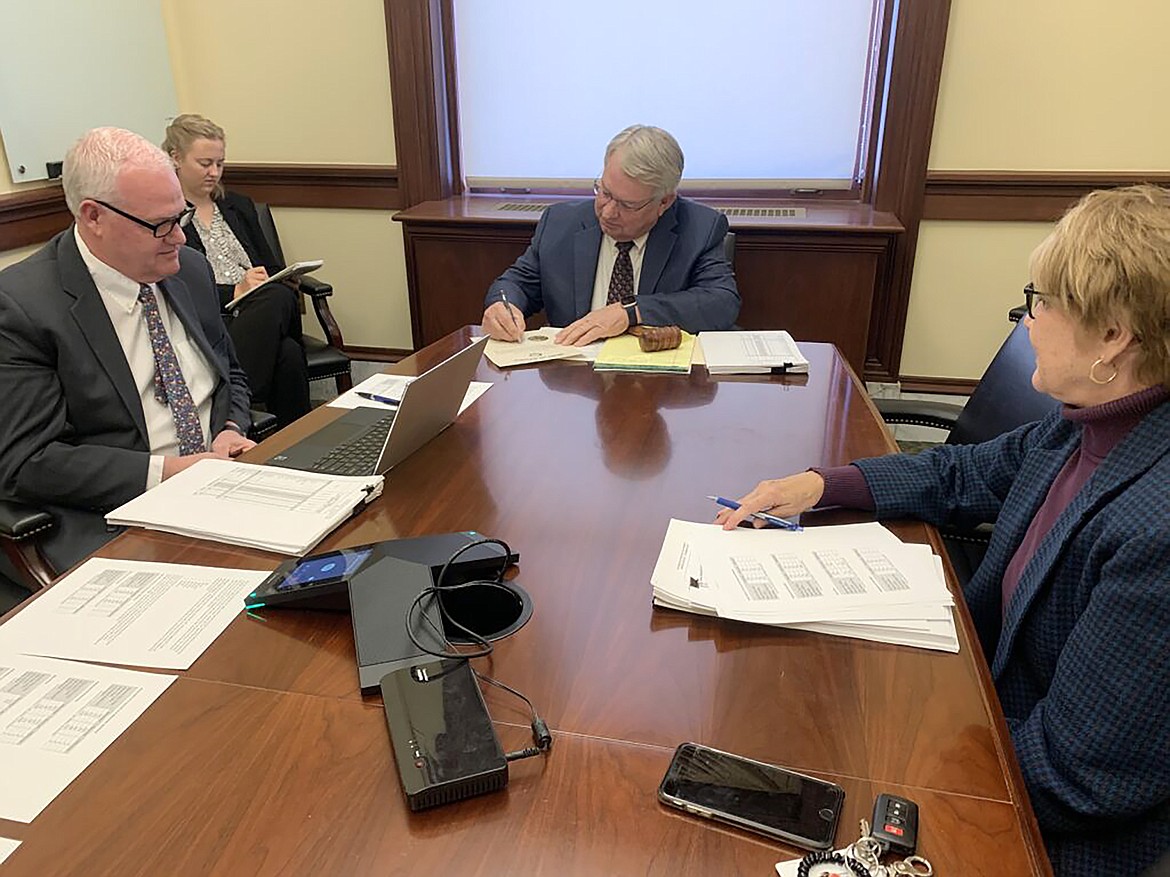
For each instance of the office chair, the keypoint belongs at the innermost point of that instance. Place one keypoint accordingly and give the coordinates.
(325, 358)
(21, 525)
(1003, 399)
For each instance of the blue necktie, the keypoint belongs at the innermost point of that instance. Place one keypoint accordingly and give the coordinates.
(169, 387)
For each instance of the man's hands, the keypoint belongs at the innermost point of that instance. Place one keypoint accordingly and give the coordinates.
(783, 497)
(604, 322)
(253, 277)
(230, 443)
(225, 446)
(503, 322)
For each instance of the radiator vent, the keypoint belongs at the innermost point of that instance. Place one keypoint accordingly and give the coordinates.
(521, 207)
(762, 212)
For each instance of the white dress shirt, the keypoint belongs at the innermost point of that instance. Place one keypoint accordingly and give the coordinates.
(606, 256)
(120, 296)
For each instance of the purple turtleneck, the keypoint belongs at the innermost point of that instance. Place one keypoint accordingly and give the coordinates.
(1102, 429)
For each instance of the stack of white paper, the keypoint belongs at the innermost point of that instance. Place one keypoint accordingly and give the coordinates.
(385, 391)
(751, 353)
(857, 580)
(265, 507)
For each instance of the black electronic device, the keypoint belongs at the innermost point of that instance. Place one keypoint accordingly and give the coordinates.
(321, 581)
(784, 805)
(444, 744)
(895, 824)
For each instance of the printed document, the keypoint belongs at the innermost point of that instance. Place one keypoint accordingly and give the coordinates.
(246, 504)
(133, 612)
(7, 847)
(855, 580)
(392, 387)
(538, 346)
(747, 353)
(56, 718)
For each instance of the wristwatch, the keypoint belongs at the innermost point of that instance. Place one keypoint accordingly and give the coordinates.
(631, 309)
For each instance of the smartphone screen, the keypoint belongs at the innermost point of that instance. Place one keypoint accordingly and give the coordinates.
(332, 567)
(791, 807)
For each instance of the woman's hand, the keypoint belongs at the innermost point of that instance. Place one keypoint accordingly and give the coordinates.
(783, 497)
(253, 277)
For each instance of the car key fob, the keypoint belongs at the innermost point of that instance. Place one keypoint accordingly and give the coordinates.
(895, 824)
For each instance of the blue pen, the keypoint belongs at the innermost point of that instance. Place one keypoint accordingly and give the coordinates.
(374, 397)
(763, 516)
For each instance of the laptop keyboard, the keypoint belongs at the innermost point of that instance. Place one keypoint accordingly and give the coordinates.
(359, 455)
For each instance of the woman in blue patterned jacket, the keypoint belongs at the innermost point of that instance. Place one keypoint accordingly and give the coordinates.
(1072, 601)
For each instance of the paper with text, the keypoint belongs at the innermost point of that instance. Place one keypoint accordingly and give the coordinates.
(56, 718)
(538, 346)
(392, 387)
(133, 612)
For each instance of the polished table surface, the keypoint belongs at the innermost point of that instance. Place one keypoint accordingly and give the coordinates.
(265, 758)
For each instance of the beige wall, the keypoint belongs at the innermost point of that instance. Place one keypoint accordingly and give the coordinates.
(1027, 86)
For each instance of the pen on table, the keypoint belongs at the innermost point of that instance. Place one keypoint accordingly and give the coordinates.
(374, 397)
(763, 516)
(508, 308)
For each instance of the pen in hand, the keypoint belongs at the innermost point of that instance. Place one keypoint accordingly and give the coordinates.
(771, 520)
(508, 308)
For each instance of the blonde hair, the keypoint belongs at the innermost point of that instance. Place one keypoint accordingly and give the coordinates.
(184, 130)
(93, 163)
(649, 155)
(1108, 259)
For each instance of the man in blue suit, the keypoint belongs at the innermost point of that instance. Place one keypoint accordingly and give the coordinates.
(638, 255)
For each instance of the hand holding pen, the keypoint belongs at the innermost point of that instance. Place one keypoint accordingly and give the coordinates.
(780, 497)
(501, 321)
(759, 519)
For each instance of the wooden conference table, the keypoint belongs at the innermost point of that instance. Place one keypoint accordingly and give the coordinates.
(264, 758)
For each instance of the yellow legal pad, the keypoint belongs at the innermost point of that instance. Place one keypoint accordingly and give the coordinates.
(623, 354)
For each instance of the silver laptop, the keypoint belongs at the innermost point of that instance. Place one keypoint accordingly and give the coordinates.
(370, 441)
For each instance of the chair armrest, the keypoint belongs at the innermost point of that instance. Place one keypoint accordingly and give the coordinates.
(919, 412)
(19, 521)
(315, 288)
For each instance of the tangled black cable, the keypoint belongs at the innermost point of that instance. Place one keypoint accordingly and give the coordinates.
(827, 858)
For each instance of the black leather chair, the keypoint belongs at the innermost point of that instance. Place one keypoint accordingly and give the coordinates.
(1003, 399)
(325, 358)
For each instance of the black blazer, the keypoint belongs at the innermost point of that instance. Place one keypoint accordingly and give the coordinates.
(239, 212)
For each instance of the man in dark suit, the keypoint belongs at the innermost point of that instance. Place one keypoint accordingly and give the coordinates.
(115, 367)
(638, 254)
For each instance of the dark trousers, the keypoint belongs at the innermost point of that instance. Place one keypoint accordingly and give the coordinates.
(266, 331)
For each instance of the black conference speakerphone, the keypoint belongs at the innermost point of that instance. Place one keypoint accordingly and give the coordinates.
(321, 581)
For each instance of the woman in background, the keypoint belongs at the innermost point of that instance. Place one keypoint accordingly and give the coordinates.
(266, 326)
(1072, 601)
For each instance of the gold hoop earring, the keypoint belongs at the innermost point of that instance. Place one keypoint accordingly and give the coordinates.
(1093, 373)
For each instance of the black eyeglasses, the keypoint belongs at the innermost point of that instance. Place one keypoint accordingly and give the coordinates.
(1030, 295)
(605, 195)
(158, 229)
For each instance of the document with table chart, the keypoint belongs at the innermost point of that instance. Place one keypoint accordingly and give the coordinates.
(283, 510)
(56, 718)
(131, 612)
(742, 353)
(855, 580)
(7, 848)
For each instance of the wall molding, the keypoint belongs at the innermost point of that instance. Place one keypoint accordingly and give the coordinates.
(32, 216)
(375, 354)
(943, 386)
(1020, 196)
(347, 186)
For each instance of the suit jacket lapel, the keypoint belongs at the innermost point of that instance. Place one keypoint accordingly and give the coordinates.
(179, 299)
(586, 246)
(1138, 451)
(89, 311)
(658, 247)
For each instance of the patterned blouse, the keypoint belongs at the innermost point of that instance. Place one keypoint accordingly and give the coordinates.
(224, 251)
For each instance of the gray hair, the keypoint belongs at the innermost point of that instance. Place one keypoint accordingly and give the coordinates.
(93, 163)
(649, 155)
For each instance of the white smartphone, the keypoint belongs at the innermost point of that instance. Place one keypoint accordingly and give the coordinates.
(781, 804)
